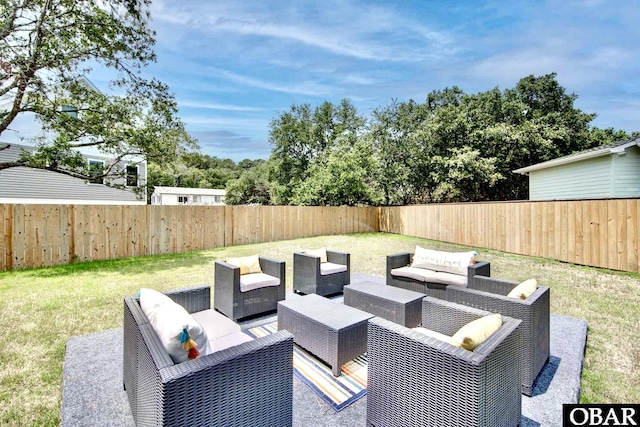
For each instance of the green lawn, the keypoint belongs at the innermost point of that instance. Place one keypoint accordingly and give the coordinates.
(41, 309)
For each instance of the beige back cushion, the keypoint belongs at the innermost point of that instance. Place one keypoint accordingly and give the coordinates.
(449, 262)
(322, 253)
(248, 264)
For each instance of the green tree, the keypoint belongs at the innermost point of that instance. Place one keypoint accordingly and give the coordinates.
(46, 49)
(252, 187)
(392, 133)
(599, 136)
(301, 135)
(463, 176)
(342, 175)
(531, 123)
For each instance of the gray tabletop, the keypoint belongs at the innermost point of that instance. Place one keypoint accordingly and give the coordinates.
(332, 314)
(387, 292)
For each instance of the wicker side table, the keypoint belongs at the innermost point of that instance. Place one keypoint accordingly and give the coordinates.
(334, 332)
(398, 305)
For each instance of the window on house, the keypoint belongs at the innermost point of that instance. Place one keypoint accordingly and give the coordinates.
(132, 176)
(183, 199)
(197, 199)
(96, 168)
(70, 110)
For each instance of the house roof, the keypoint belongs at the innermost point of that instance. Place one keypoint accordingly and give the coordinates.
(603, 150)
(183, 190)
(13, 151)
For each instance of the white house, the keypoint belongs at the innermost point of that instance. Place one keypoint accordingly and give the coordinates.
(604, 172)
(33, 186)
(187, 196)
(25, 185)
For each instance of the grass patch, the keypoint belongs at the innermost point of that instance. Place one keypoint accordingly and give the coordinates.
(40, 309)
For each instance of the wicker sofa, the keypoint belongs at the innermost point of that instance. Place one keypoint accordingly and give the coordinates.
(435, 284)
(311, 277)
(418, 380)
(213, 390)
(230, 300)
(488, 293)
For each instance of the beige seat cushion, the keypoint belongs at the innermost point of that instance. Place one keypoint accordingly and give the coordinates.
(415, 273)
(425, 275)
(221, 331)
(230, 340)
(448, 279)
(216, 324)
(249, 282)
(331, 268)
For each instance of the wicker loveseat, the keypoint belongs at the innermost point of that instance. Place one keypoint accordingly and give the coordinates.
(488, 293)
(233, 302)
(247, 384)
(434, 284)
(311, 276)
(418, 380)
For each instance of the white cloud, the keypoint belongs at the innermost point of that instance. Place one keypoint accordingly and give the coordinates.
(310, 88)
(213, 106)
(351, 29)
(225, 122)
(239, 59)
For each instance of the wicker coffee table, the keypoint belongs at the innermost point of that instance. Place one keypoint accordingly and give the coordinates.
(334, 332)
(389, 302)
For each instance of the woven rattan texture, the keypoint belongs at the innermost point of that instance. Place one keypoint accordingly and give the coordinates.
(333, 332)
(436, 290)
(416, 380)
(389, 302)
(308, 280)
(235, 304)
(489, 294)
(226, 388)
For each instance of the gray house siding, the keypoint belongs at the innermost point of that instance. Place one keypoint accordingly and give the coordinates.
(27, 185)
(587, 179)
(626, 173)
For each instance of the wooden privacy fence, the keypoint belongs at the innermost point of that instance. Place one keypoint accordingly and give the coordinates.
(599, 233)
(45, 235)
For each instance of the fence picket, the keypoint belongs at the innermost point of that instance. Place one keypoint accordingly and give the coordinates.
(601, 233)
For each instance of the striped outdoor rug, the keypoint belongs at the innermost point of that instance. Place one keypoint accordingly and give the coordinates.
(338, 392)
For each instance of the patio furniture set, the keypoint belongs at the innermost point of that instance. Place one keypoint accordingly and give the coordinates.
(418, 374)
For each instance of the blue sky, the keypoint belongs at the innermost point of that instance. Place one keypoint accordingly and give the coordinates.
(235, 65)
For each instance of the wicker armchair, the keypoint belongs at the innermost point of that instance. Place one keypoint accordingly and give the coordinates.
(489, 293)
(230, 301)
(225, 388)
(417, 380)
(307, 277)
(435, 290)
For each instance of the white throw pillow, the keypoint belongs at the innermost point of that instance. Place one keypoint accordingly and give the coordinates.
(449, 262)
(171, 321)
